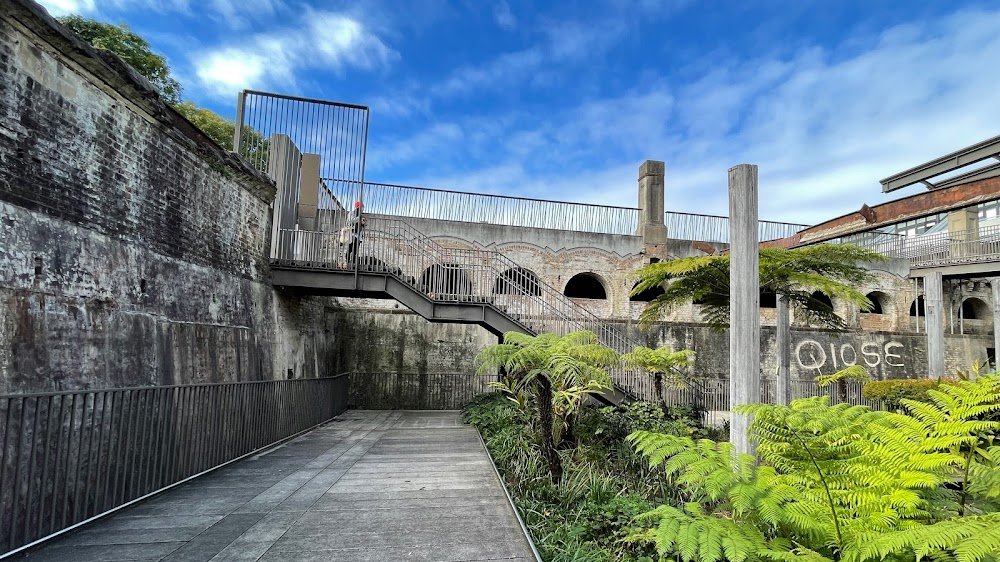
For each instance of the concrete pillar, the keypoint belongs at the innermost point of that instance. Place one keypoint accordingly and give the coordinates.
(783, 391)
(284, 163)
(934, 301)
(995, 286)
(651, 227)
(963, 230)
(744, 301)
(309, 191)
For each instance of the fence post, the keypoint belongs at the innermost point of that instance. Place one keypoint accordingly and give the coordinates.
(744, 302)
(934, 301)
(995, 287)
(782, 392)
(241, 101)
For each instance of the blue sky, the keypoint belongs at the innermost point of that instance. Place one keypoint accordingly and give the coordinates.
(563, 100)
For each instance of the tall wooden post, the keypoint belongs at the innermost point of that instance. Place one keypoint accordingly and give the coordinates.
(995, 287)
(934, 301)
(744, 301)
(783, 392)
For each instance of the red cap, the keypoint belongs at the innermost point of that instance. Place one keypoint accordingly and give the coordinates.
(357, 204)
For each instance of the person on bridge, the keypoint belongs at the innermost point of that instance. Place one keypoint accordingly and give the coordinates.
(356, 223)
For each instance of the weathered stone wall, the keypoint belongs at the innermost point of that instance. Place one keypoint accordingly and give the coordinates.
(132, 248)
(375, 339)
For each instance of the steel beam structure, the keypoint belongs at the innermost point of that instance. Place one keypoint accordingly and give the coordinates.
(928, 170)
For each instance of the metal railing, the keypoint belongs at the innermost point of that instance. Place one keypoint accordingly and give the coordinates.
(336, 131)
(415, 391)
(446, 205)
(945, 248)
(67, 457)
(715, 228)
(712, 395)
(392, 246)
(460, 206)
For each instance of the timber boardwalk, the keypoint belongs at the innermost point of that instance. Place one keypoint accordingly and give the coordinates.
(369, 485)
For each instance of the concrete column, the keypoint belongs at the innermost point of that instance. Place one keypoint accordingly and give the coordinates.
(284, 163)
(934, 301)
(783, 391)
(995, 286)
(963, 228)
(744, 301)
(651, 226)
(309, 191)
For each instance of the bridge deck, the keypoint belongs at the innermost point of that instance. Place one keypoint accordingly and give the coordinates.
(371, 485)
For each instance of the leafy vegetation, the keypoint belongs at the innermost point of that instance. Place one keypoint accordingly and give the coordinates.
(796, 274)
(135, 51)
(592, 514)
(661, 363)
(556, 372)
(893, 391)
(839, 483)
(131, 48)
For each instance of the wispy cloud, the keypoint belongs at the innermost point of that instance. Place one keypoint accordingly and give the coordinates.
(327, 41)
(823, 124)
(563, 45)
(64, 7)
(503, 16)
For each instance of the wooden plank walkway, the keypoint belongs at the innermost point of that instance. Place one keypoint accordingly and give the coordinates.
(371, 485)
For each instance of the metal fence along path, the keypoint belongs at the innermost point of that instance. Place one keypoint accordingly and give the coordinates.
(66, 457)
(370, 486)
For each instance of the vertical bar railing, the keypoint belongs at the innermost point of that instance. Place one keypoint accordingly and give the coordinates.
(67, 457)
(415, 391)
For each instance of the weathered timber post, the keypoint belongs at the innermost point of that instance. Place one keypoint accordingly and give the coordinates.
(934, 301)
(783, 391)
(744, 302)
(995, 286)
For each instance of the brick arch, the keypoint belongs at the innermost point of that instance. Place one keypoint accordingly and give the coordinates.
(586, 285)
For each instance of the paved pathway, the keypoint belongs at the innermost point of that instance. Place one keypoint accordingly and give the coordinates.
(371, 485)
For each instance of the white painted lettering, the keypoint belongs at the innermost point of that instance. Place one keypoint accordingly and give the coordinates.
(854, 355)
(815, 361)
(872, 358)
(889, 354)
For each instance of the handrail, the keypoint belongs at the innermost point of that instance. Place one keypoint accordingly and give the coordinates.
(943, 248)
(393, 246)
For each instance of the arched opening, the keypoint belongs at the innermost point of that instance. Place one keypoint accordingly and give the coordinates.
(648, 295)
(820, 301)
(517, 281)
(879, 299)
(975, 309)
(768, 299)
(585, 286)
(917, 307)
(447, 279)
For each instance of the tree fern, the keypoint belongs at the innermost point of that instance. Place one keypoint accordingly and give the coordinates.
(841, 483)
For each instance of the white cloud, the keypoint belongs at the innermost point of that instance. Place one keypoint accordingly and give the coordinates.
(65, 7)
(823, 125)
(325, 41)
(503, 16)
(565, 44)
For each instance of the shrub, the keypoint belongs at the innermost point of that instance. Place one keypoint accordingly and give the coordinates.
(892, 391)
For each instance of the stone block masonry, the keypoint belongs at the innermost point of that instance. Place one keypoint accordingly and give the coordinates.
(133, 250)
